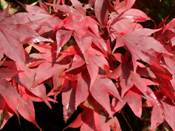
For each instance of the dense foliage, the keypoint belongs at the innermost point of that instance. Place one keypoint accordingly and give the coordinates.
(99, 55)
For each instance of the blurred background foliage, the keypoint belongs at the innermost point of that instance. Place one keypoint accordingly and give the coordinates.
(157, 10)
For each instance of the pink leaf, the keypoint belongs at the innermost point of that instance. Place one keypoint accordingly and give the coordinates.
(62, 37)
(157, 116)
(101, 10)
(101, 90)
(18, 104)
(134, 100)
(81, 91)
(138, 43)
(168, 111)
(121, 6)
(135, 15)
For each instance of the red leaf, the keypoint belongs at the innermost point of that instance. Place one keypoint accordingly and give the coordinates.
(168, 111)
(170, 62)
(10, 43)
(89, 118)
(5, 115)
(121, 6)
(101, 10)
(157, 116)
(159, 70)
(36, 18)
(94, 51)
(135, 15)
(68, 100)
(94, 59)
(140, 83)
(77, 122)
(77, 62)
(6, 73)
(101, 90)
(138, 43)
(113, 124)
(12, 40)
(81, 90)
(134, 100)
(62, 37)
(95, 121)
(18, 104)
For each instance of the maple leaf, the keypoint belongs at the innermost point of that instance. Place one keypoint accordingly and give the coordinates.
(101, 90)
(135, 15)
(62, 37)
(100, 58)
(164, 79)
(167, 35)
(121, 6)
(9, 42)
(156, 116)
(5, 115)
(95, 121)
(168, 111)
(101, 10)
(170, 62)
(135, 102)
(97, 60)
(12, 40)
(18, 104)
(161, 112)
(138, 43)
(36, 18)
(7, 73)
(77, 122)
(68, 96)
(81, 92)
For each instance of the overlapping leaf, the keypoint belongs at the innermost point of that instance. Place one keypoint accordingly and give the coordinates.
(97, 62)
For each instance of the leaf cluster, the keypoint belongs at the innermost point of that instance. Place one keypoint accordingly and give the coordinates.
(95, 53)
